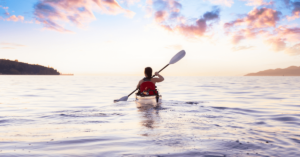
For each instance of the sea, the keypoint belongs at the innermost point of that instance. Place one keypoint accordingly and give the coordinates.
(75, 116)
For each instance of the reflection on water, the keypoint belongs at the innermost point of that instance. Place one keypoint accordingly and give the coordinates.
(150, 114)
(199, 116)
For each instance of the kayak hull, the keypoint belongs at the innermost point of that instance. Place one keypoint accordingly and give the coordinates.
(147, 100)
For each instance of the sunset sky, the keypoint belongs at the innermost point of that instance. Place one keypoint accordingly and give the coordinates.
(121, 37)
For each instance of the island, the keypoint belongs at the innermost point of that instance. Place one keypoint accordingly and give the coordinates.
(290, 71)
(9, 67)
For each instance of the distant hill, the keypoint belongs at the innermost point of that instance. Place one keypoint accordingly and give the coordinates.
(8, 67)
(290, 71)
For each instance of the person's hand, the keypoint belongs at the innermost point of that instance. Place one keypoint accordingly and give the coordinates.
(156, 74)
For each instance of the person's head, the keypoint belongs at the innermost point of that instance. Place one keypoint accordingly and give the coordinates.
(148, 72)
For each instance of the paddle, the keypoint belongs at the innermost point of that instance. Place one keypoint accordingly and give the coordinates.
(175, 59)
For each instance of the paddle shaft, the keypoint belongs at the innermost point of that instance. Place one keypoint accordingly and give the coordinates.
(161, 69)
(151, 77)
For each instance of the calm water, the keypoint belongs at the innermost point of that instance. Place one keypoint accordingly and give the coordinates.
(199, 116)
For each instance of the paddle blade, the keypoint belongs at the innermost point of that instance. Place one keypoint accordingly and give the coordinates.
(124, 98)
(177, 57)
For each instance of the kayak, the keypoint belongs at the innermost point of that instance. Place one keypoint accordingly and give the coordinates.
(147, 100)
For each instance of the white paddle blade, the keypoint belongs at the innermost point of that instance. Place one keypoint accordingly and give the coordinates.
(124, 98)
(177, 57)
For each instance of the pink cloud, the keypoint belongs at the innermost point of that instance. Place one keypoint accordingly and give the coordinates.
(264, 17)
(263, 22)
(53, 14)
(277, 44)
(167, 14)
(282, 36)
(5, 8)
(196, 29)
(258, 2)
(294, 16)
(12, 17)
(291, 34)
(165, 10)
(257, 18)
(295, 11)
(237, 38)
(256, 22)
(15, 18)
(285, 30)
(112, 7)
(160, 16)
(246, 33)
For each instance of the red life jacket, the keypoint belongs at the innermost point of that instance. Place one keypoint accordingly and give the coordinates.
(148, 88)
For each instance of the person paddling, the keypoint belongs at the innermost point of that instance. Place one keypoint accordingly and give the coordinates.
(147, 84)
(152, 81)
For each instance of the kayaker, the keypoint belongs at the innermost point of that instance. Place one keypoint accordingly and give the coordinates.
(148, 74)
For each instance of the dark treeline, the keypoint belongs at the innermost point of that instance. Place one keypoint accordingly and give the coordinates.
(9, 67)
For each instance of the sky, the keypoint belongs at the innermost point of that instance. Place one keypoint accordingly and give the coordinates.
(122, 37)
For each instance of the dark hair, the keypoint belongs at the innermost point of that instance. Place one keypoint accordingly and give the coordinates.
(148, 72)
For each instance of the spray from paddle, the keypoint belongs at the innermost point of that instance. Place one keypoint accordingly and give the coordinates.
(175, 59)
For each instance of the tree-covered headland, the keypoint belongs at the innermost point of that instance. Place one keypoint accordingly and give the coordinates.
(9, 67)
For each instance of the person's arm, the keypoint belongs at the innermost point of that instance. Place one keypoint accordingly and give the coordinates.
(159, 79)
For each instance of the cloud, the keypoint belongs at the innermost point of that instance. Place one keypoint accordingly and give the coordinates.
(15, 18)
(167, 14)
(258, 2)
(12, 17)
(227, 3)
(5, 8)
(53, 14)
(285, 30)
(175, 47)
(257, 18)
(294, 50)
(237, 38)
(239, 48)
(256, 22)
(166, 10)
(264, 22)
(111, 7)
(129, 2)
(295, 11)
(200, 26)
(160, 16)
(277, 44)
(291, 34)
(245, 33)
